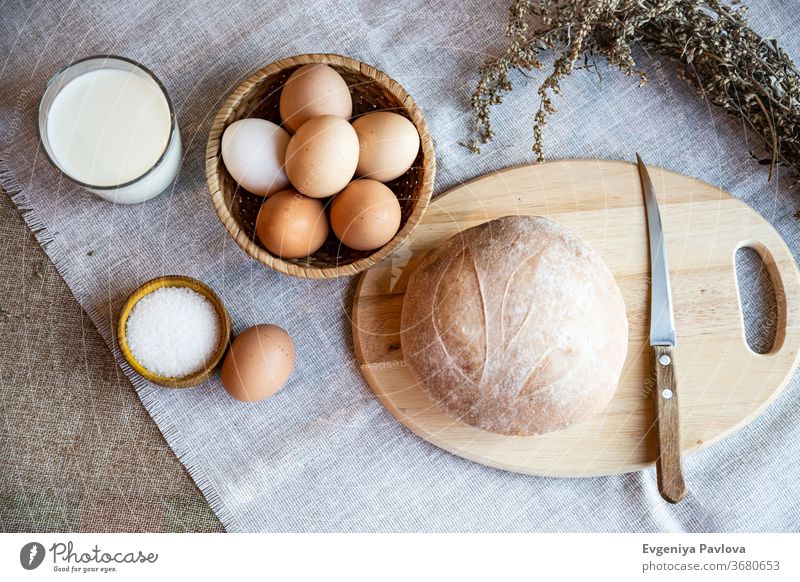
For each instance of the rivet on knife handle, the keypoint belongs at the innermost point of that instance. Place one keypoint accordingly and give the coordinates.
(669, 468)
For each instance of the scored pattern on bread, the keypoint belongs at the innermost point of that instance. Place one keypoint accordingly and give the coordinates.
(515, 326)
(462, 332)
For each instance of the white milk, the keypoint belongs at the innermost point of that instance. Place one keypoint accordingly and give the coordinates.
(108, 127)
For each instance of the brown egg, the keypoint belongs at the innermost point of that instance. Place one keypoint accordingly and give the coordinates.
(311, 91)
(321, 157)
(291, 225)
(388, 144)
(258, 363)
(365, 215)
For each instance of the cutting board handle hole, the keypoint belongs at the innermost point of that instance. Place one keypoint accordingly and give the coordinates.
(758, 302)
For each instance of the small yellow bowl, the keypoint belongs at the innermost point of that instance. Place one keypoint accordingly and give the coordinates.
(175, 281)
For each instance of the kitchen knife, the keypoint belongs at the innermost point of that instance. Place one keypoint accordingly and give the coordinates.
(669, 468)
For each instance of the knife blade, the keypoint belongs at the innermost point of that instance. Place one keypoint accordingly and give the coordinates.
(669, 466)
(662, 321)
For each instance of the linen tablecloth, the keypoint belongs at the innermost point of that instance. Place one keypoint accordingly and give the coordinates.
(323, 455)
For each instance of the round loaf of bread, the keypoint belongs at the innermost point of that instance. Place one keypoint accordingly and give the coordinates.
(515, 326)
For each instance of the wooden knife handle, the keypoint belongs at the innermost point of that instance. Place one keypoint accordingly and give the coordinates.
(668, 465)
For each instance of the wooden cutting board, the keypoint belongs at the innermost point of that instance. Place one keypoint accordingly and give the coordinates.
(723, 384)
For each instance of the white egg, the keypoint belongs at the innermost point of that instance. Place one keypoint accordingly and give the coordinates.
(253, 151)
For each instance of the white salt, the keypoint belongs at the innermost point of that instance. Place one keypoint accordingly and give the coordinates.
(173, 331)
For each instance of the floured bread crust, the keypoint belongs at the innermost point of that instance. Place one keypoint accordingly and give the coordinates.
(515, 326)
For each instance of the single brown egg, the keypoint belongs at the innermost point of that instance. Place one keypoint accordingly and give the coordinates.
(365, 215)
(388, 145)
(291, 225)
(258, 363)
(321, 157)
(311, 91)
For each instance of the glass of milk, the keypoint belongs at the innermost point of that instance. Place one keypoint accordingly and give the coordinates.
(107, 124)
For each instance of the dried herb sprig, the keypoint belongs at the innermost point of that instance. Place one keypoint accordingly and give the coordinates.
(728, 63)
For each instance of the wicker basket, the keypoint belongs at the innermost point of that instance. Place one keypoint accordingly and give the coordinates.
(258, 97)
